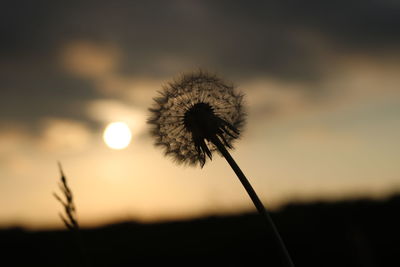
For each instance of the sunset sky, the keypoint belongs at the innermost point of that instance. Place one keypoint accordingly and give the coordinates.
(322, 90)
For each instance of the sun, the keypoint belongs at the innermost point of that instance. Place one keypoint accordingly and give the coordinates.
(117, 135)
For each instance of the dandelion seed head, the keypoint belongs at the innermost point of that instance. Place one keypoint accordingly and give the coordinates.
(191, 111)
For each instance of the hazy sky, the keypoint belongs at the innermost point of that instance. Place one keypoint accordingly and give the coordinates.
(321, 80)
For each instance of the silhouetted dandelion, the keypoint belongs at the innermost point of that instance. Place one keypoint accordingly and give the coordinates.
(198, 114)
(191, 112)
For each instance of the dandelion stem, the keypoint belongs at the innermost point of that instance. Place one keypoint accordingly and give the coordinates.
(257, 202)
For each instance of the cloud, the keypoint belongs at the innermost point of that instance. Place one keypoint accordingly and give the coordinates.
(107, 111)
(12, 137)
(55, 60)
(31, 91)
(89, 59)
(280, 38)
(64, 135)
(271, 97)
(99, 64)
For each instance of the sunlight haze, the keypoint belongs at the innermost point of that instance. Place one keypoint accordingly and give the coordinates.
(321, 94)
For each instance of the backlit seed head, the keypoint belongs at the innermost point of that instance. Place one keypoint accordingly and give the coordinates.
(193, 110)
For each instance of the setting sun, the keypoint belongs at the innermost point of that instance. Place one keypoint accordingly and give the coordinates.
(117, 135)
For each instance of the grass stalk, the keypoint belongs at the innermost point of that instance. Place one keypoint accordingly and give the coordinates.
(70, 218)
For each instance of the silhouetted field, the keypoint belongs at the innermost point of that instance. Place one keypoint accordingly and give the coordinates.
(348, 233)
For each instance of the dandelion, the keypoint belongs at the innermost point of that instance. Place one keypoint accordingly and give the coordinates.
(191, 112)
(197, 115)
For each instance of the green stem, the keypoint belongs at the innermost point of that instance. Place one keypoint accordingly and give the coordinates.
(257, 202)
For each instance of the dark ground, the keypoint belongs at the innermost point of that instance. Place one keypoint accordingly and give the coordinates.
(348, 233)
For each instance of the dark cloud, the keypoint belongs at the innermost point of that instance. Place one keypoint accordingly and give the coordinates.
(33, 96)
(352, 24)
(239, 38)
(246, 36)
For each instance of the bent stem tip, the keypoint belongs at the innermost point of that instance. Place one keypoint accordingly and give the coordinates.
(256, 200)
